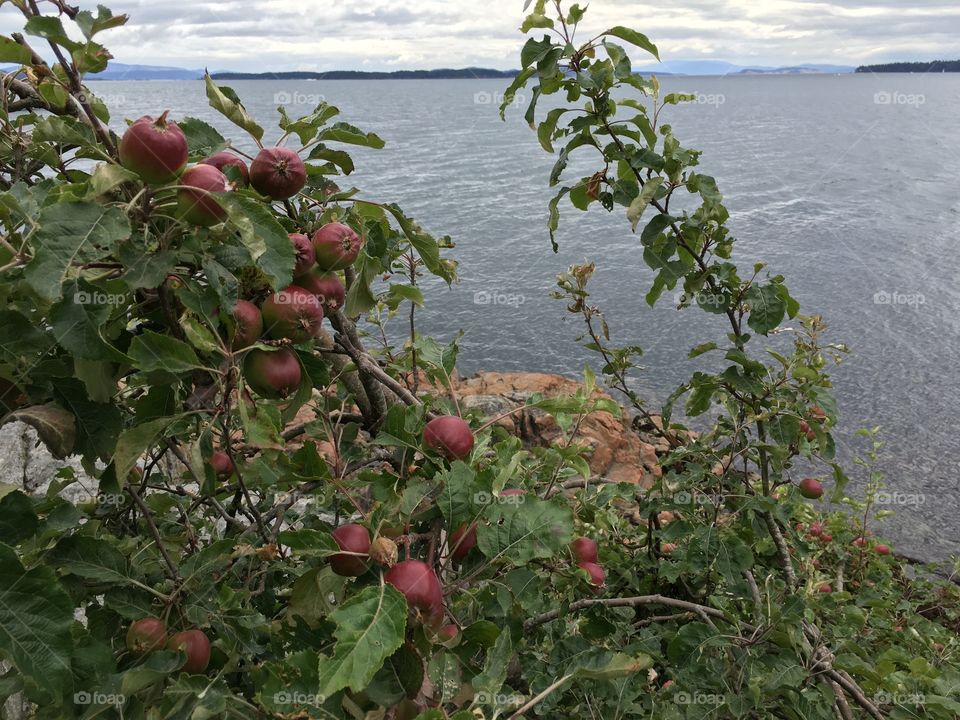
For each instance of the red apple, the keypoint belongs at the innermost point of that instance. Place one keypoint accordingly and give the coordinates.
(818, 414)
(222, 464)
(584, 549)
(881, 549)
(223, 160)
(859, 542)
(826, 537)
(154, 149)
(248, 324)
(197, 647)
(197, 201)
(326, 286)
(825, 588)
(462, 541)
(351, 538)
(278, 173)
(450, 436)
(306, 258)
(337, 246)
(146, 635)
(420, 586)
(811, 488)
(448, 632)
(667, 548)
(293, 313)
(597, 576)
(273, 375)
(816, 529)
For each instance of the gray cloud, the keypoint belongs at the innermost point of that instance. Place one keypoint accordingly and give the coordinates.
(336, 34)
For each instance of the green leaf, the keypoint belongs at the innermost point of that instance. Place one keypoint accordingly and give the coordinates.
(105, 20)
(494, 674)
(767, 307)
(91, 559)
(535, 20)
(604, 665)
(108, 177)
(151, 351)
(634, 38)
(135, 441)
(55, 426)
(306, 127)
(345, 133)
(77, 321)
(640, 203)
(263, 236)
(14, 52)
(523, 528)
(18, 521)
(511, 92)
(203, 140)
(370, 627)
(71, 233)
(50, 28)
(36, 615)
(225, 100)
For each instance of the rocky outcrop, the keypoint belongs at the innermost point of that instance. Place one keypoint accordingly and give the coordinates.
(613, 448)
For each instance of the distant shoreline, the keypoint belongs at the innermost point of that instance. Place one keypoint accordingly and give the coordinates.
(937, 66)
(443, 74)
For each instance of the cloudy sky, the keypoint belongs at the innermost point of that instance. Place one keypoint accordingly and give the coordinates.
(260, 35)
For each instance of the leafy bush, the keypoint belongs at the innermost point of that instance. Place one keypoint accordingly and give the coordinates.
(276, 531)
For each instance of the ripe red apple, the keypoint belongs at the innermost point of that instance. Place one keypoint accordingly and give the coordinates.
(223, 160)
(248, 324)
(811, 488)
(597, 576)
(222, 464)
(154, 149)
(448, 632)
(197, 201)
(420, 586)
(278, 173)
(826, 537)
(351, 538)
(667, 548)
(273, 375)
(584, 549)
(462, 541)
(816, 529)
(825, 588)
(146, 635)
(326, 286)
(859, 542)
(306, 258)
(666, 685)
(293, 313)
(337, 246)
(197, 647)
(450, 436)
(881, 549)
(818, 414)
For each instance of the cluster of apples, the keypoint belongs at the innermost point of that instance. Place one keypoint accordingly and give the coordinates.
(156, 150)
(149, 634)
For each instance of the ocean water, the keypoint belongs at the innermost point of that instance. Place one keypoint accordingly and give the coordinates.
(847, 185)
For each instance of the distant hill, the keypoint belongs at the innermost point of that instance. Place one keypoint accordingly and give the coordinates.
(936, 66)
(440, 74)
(721, 67)
(120, 71)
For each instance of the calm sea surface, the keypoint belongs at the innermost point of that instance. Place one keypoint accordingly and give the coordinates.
(847, 185)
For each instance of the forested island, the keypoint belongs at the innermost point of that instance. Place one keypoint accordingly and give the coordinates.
(935, 66)
(441, 74)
